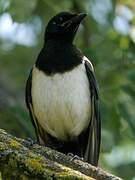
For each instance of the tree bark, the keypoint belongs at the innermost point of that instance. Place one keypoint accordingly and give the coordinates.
(21, 159)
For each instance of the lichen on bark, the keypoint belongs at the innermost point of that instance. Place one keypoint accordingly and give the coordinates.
(20, 159)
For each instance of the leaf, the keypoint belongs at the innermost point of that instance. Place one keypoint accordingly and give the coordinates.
(4, 4)
(21, 10)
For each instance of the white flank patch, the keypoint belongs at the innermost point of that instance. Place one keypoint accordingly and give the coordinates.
(62, 102)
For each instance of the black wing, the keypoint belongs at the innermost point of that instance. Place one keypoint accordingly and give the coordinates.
(28, 100)
(93, 144)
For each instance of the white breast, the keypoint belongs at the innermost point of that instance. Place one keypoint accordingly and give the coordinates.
(62, 102)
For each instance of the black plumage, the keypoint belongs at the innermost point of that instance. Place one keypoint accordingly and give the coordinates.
(58, 56)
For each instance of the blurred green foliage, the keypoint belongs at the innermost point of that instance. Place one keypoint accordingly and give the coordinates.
(107, 37)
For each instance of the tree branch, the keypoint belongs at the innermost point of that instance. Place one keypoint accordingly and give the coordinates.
(21, 158)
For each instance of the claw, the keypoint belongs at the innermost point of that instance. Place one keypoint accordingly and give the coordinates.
(73, 157)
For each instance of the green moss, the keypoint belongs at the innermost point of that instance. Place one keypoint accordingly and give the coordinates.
(3, 138)
(0, 176)
(2, 147)
(35, 164)
(3, 131)
(15, 144)
(67, 174)
(38, 168)
(24, 177)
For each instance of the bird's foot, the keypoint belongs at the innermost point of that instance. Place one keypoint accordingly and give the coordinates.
(73, 157)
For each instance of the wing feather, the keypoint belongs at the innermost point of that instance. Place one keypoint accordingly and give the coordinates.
(28, 100)
(93, 145)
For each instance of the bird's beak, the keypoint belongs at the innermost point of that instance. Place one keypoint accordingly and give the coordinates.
(78, 18)
(74, 20)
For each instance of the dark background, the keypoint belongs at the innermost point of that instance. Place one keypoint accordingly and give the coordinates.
(106, 37)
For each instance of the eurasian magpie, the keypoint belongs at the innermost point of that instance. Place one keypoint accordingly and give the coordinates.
(62, 93)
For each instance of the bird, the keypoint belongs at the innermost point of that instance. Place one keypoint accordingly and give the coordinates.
(62, 92)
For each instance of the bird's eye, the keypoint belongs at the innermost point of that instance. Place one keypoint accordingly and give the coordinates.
(54, 22)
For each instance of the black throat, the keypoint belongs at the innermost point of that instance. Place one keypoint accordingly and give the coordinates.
(58, 57)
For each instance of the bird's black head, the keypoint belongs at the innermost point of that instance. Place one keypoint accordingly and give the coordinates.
(63, 26)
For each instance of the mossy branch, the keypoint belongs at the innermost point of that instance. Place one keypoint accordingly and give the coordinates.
(20, 159)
